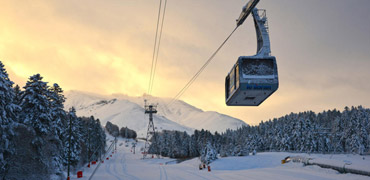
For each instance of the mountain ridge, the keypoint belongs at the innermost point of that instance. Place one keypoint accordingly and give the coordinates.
(125, 110)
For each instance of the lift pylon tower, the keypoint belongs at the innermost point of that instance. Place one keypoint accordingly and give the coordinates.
(151, 135)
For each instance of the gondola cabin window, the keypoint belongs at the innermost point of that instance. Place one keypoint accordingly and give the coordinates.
(232, 82)
(254, 68)
(237, 76)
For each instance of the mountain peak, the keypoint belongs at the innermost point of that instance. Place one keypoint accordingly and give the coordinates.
(125, 110)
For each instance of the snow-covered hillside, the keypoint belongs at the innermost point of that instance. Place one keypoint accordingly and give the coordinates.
(128, 111)
(123, 164)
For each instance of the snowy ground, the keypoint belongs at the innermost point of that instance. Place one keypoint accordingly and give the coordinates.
(125, 165)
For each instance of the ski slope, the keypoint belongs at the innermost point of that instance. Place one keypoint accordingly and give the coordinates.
(125, 165)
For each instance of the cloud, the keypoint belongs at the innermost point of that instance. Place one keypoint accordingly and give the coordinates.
(106, 47)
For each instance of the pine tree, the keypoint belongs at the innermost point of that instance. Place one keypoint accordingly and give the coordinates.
(99, 138)
(18, 94)
(309, 140)
(8, 117)
(72, 146)
(193, 147)
(58, 114)
(112, 129)
(36, 107)
(329, 131)
(209, 154)
(165, 144)
(176, 144)
(364, 130)
(354, 141)
(338, 136)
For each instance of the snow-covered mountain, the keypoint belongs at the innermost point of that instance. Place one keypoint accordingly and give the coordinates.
(128, 111)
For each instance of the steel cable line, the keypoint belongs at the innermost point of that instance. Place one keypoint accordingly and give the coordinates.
(155, 45)
(182, 91)
(159, 43)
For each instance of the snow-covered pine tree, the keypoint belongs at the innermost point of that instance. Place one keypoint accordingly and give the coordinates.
(72, 149)
(36, 107)
(37, 112)
(195, 143)
(329, 131)
(166, 147)
(87, 137)
(92, 139)
(308, 134)
(99, 138)
(364, 131)
(185, 145)
(8, 112)
(353, 141)
(296, 138)
(132, 134)
(58, 114)
(164, 144)
(223, 151)
(217, 141)
(126, 132)
(208, 154)
(112, 129)
(343, 132)
(193, 147)
(176, 144)
(18, 94)
(338, 135)
(36, 121)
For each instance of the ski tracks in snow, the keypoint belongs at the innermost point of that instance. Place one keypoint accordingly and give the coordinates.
(117, 167)
(124, 167)
(163, 173)
(108, 168)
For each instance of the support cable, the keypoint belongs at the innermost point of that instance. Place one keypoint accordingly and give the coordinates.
(155, 46)
(159, 43)
(182, 91)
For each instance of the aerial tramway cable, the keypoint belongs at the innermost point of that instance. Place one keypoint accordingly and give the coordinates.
(157, 42)
(155, 45)
(247, 9)
(190, 82)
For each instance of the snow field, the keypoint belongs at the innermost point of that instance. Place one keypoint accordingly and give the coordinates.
(126, 165)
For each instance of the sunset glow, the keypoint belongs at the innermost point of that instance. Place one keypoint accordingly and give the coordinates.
(106, 47)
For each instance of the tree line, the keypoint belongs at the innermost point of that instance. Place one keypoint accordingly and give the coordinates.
(330, 131)
(37, 134)
(124, 132)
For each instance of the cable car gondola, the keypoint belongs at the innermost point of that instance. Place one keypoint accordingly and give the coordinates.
(253, 78)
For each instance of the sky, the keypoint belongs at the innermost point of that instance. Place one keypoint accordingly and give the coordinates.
(322, 48)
